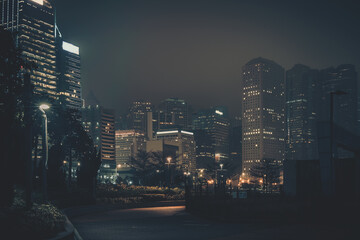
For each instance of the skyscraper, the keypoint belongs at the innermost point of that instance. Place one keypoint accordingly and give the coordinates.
(34, 23)
(302, 91)
(69, 68)
(343, 78)
(100, 124)
(140, 116)
(205, 149)
(215, 123)
(263, 109)
(174, 113)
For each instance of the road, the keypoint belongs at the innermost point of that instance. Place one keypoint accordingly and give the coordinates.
(173, 222)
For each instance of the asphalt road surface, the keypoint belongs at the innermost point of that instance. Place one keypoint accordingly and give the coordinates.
(173, 222)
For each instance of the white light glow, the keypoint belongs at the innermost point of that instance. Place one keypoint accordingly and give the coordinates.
(190, 133)
(71, 48)
(167, 132)
(44, 107)
(41, 2)
(218, 112)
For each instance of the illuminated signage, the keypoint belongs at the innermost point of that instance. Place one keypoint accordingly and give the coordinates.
(70, 48)
(218, 112)
(41, 2)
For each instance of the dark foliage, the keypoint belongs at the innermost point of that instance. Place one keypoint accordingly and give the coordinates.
(269, 171)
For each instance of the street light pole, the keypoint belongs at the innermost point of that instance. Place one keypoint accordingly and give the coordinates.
(42, 108)
(168, 159)
(332, 159)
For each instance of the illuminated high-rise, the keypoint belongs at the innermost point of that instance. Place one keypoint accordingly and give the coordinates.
(173, 114)
(128, 145)
(140, 115)
(215, 123)
(34, 23)
(99, 122)
(302, 90)
(69, 68)
(263, 109)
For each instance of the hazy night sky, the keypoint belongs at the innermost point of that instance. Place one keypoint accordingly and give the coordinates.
(195, 49)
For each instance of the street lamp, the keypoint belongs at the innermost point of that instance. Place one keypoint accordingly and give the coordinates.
(332, 163)
(168, 159)
(42, 108)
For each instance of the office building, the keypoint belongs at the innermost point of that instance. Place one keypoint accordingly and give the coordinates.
(235, 141)
(215, 123)
(128, 144)
(263, 113)
(205, 149)
(173, 114)
(343, 78)
(302, 91)
(99, 122)
(34, 23)
(140, 117)
(185, 143)
(69, 68)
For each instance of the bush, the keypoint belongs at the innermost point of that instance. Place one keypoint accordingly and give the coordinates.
(116, 193)
(41, 221)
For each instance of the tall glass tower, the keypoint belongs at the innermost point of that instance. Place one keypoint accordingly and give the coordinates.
(302, 91)
(34, 23)
(263, 113)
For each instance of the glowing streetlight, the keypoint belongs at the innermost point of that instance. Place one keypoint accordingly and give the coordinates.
(168, 159)
(43, 107)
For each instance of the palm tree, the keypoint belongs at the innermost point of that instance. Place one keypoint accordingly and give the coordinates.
(143, 164)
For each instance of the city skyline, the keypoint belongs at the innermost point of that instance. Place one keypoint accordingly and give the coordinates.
(199, 46)
(182, 119)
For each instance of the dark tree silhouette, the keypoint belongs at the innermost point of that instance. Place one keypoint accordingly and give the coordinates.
(268, 171)
(12, 75)
(144, 165)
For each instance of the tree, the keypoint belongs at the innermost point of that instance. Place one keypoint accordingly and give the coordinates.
(144, 164)
(167, 165)
(268, 170)
(70, 141)
(13, 71)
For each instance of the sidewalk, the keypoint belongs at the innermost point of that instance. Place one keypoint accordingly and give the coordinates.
(78, 211)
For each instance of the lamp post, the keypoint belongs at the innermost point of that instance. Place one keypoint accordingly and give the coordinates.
(168, 159)
(42, 108)
(332, 162)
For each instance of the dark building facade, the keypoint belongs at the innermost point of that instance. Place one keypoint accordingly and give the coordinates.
(205, 149)
(34, 23)
(235, 141)
(100, 124)
(343, 78)
(302, 91)
(139, 116)
(263, 113)
(215, 123)
(173, 113)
